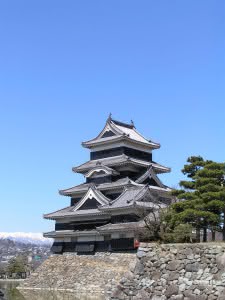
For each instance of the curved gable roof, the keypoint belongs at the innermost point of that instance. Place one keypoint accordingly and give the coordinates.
(135, 197)
(92, 193)
(121, 131)
(150, 174)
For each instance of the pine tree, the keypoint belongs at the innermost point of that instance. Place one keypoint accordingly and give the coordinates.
(210, 188)
(192, 207)
(16, 265)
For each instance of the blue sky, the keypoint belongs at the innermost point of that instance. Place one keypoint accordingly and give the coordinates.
(65, 65)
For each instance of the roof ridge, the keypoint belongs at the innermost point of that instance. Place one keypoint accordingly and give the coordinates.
(151, 174)
(131, 126)
(144, 136)
(108, 123)
(123, 192)
(144, 187)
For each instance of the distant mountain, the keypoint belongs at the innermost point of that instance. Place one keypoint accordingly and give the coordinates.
(26, 238)
(32, 246)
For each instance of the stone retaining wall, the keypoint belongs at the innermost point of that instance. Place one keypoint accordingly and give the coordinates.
(157, 272)
(175, 271)
(83, 274)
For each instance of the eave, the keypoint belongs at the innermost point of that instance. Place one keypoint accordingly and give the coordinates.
(70, 233)
(74, 216)
(119, 160)
(120, 227)
(101, 187)
(110, 140)
(121, 131)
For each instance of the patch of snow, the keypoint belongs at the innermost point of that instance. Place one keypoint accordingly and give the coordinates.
(26, 238)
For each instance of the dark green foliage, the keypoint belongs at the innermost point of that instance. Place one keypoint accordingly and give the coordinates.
(2, 269)
(202, 197)
(210, 187)
(16, 265)
(183, 233)
(201, 205)
(195, 163)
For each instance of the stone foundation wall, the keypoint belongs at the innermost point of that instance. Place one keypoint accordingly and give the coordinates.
(157, 272)
(81, 274)
(179, 271)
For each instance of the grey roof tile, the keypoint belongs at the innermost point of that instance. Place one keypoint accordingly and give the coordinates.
(103, 186)
(129, 199)
(125, 200)
(132, 196)
(120, 226)
(69, 212)
(121, 131)
(120, 160)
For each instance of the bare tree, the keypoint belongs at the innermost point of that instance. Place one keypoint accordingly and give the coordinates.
(151, 211)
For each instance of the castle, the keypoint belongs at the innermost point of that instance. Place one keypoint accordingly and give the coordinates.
(121, 181)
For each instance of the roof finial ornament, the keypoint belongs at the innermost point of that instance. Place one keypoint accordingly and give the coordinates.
(132, 123)
(109, 117)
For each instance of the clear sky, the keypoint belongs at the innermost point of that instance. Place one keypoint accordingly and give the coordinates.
(65, 65)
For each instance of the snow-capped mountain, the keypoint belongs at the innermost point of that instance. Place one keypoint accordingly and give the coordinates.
(26, 238)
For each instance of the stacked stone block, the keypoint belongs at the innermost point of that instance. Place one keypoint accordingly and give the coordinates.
(176, 272)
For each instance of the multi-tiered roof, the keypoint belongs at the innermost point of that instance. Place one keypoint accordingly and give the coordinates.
(121, 177)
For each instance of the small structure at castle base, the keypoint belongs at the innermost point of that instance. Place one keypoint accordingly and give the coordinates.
(106, 212)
